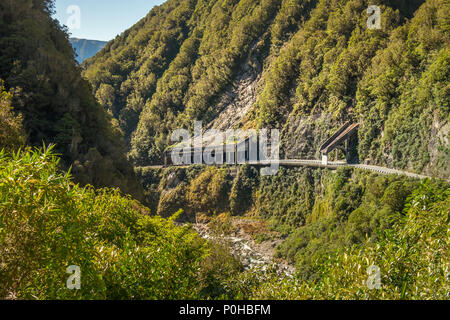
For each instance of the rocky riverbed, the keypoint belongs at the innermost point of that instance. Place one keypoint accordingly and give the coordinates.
(250, 253)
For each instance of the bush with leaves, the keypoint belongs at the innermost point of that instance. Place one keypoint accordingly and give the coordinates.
(47, 224)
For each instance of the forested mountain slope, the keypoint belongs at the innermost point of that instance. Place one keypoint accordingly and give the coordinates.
(304, 67)
(44, 85)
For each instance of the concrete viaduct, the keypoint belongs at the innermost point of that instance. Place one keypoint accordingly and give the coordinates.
(345, 139)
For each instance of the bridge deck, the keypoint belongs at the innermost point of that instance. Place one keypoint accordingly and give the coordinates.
(330, 165)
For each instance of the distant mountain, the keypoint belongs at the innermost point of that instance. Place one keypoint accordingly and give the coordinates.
(86, 49)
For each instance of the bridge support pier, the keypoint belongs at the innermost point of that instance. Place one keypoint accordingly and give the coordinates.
(351, 149)
(346, 140)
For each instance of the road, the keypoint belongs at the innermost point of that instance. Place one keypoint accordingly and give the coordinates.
(331, 165)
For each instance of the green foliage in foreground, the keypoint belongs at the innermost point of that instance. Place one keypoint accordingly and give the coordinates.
(47, 224)
(413, 258)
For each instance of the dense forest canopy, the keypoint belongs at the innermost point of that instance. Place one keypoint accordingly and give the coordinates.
(312, 64)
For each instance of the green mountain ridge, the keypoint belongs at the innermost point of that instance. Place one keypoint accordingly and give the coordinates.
(309, 66)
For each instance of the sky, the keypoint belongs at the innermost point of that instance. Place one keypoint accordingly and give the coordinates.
(101, 19)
